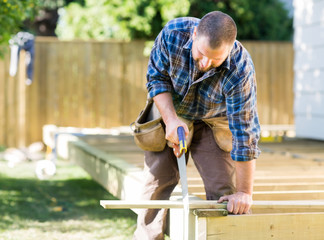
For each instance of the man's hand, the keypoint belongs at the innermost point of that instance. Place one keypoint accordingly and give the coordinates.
(238, 203)
(171, 130)
(164, 103)
(171, 134)
(241, 201)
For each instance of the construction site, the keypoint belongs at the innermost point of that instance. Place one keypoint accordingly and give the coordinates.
(84, 95)
(288, 189)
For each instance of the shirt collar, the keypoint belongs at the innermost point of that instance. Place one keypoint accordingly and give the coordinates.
(227, 63)
(188, 44)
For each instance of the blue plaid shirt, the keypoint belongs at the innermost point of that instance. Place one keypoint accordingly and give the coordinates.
(228, 90)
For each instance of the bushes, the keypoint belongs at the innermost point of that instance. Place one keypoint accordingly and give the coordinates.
(130, 19)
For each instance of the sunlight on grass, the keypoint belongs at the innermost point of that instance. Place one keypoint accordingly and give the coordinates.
(63, 207)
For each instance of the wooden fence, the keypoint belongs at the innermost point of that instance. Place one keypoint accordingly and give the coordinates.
(102, 84)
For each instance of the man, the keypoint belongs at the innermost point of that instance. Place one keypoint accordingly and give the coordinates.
(198, 72)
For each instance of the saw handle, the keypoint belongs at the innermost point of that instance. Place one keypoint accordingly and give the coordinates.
(182, 140)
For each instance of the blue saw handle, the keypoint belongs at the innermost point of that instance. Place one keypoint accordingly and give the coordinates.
(182, 139)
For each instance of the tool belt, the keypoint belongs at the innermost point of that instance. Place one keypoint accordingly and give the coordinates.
(149, 130)
(222, 133)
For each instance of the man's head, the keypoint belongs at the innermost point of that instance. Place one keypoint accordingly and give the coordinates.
(213, 40)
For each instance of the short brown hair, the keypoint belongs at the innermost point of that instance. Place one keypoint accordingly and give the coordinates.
(218, 27)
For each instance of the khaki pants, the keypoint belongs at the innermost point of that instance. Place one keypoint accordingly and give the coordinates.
(161, 176)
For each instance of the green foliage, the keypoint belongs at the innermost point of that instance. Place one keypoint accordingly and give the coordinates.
(255, 19)
(118, 19)
(132, 19)
(2, 148)
(12, 14)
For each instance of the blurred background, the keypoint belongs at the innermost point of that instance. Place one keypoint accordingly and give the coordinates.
(74, 71)
(87, 59)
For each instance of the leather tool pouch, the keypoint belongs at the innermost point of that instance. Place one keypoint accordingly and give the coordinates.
(221, 131)
(148, 131)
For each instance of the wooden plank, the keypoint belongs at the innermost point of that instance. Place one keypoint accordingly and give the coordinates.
(196, 187)
(41, 79)
(102, 86)
(112, 95)
(52, 97)
(212, 204)
(288, 186)
(275, 82)
(120, 178)
(3, 114)
(21, 101)
(156, 204)
(278, 195)
(306, 204)
(64, 87)
(261, 64)
(289, 179)
(289, 195)
(290, 83)
(195, 179)
(135, 71)
(11, 110)
(293, 226)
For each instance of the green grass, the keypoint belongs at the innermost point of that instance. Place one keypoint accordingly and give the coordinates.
(65, 207)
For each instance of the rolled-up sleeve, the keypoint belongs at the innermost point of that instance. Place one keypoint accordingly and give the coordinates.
(158, 79)
(243, 118)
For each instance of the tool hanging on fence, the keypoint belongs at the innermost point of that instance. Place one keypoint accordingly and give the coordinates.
(22, 40)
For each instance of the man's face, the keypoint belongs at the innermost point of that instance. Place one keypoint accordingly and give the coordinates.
(206, 57)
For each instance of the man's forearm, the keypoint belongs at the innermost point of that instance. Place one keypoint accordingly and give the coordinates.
(245, 176)
(164, 103)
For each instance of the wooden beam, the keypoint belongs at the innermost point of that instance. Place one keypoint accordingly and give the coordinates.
(279, 195)
(315, 204)
(204, 204)
(289, 195)
(155, 204)
(287, 186)
(296, 226)
(291, 178)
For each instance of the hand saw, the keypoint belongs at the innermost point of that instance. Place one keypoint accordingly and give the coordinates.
(183, 179)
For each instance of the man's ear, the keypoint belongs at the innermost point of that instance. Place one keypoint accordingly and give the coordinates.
(194, 35)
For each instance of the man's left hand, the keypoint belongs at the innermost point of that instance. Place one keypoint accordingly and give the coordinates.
(238, 203)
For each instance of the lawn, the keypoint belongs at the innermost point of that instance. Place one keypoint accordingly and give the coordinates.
(65, 207)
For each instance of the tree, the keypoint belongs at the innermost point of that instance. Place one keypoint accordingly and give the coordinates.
(12, 15)
(118, 19)
(132, 19)
(19, 15)
(255, 19)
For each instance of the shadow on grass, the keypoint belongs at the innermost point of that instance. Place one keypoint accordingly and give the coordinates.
(31, 199)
